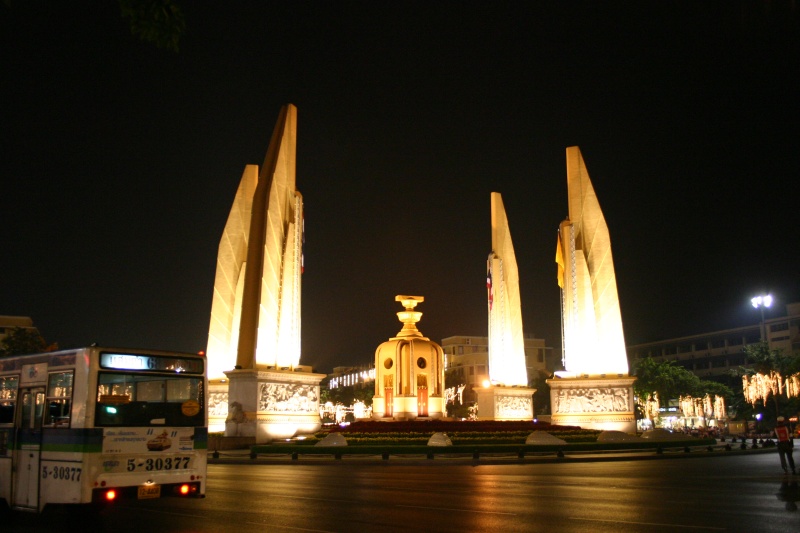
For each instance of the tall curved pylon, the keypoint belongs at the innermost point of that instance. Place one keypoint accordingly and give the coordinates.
(255, 312)
(594, 342)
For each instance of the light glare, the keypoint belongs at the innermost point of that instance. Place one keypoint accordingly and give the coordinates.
(762, 301)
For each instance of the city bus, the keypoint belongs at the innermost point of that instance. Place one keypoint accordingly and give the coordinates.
(98, 425)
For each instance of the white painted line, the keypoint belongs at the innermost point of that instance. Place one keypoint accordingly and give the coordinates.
(457, 510)
(684, 526)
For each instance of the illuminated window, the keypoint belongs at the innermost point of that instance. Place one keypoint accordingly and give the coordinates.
(137, 399)
(8, 398)
(59, 399)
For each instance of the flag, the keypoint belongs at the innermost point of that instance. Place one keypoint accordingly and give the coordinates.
(489, 284)
(560, 262)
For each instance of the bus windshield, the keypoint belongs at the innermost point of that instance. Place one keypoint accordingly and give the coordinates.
(137, 399)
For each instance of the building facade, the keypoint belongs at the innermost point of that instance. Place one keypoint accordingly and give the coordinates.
(721, 353)
(359, 377)
(467, 357)
(9, 323)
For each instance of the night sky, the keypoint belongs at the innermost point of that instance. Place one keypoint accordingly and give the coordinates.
(120, 161)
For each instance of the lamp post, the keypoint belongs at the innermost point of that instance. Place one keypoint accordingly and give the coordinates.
(760, 302)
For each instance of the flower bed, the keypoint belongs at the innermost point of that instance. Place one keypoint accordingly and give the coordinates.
(468, 437)
(448, 426)
(414, 433)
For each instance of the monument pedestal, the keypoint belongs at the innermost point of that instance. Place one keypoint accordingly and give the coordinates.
(407, 408)
(604, 403)
(505, 403)
(272, 404)
(217, 405)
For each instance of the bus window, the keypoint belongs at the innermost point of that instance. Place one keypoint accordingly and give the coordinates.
(32, 408)
(147, 400)
(150, 391)
(181, 389)
(59, 399)
(8, 398)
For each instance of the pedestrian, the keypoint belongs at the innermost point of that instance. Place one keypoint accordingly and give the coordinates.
(785, 444)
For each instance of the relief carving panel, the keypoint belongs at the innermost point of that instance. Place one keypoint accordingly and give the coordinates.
(592, 400)
(288, 398)
(513, 406)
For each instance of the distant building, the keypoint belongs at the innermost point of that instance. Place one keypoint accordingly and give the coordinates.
(9, 323)
(469, 357)
(359, 377)
(720, 353)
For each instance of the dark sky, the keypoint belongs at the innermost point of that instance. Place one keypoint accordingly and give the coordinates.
(120, 161)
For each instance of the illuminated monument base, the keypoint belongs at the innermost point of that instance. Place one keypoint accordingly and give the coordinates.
(272, 404)
(505, 403)
(604, 403)
(407, 408)
(217, 405)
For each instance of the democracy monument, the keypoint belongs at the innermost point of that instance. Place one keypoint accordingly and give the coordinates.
(258, 388)
(594, 390)
(507, 396)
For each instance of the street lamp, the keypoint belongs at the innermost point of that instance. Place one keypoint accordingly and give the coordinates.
(760, 302)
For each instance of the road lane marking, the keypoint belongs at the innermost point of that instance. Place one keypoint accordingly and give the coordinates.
(684, 526)
(453, 509)
(273, 526)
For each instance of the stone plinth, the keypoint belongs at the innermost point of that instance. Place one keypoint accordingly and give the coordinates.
(604, 403)
(272, 404)
(505, 403)
(217, 405)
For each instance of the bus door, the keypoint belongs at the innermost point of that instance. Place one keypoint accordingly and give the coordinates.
(28, 448)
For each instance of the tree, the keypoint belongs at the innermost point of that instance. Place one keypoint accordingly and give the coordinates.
(762, 360)
(347, 395)
(766, 373)
(713, 388)
(159, 22)
(23, 341)
(668, 381)
(541, 399)
(453, 379)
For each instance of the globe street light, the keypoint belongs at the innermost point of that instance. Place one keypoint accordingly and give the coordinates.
(760, 302)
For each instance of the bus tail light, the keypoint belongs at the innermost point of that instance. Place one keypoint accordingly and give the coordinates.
(186, 489)
(110, 495)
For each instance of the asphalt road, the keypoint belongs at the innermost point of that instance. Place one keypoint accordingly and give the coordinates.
(715, 492)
